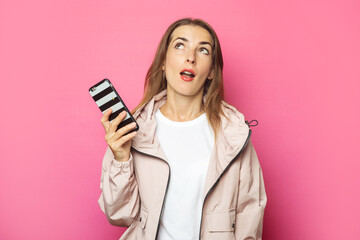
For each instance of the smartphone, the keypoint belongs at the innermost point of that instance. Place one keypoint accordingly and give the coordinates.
(105, 96)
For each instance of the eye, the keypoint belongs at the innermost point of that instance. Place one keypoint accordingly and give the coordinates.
(179, 46)
(204, 50)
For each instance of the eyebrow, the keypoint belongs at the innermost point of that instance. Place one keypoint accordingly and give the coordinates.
(186, 40)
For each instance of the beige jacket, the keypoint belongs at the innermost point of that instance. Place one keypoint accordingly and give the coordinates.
(234, 196)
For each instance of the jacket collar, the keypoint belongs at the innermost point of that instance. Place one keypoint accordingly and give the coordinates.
(145, 140)
(230, 140)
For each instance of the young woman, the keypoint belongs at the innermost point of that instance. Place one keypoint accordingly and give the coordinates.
(191, 171)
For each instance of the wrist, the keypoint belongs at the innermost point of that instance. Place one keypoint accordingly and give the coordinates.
(122, 159)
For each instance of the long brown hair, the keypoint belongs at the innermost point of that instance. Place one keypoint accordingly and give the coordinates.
(155, 80)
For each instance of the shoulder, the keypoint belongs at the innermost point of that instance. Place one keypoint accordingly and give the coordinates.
(232, 115)
(234, 130)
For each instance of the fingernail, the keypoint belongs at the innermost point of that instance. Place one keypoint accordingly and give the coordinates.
(132, 124)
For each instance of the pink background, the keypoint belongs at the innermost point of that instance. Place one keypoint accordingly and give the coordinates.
(292, 65)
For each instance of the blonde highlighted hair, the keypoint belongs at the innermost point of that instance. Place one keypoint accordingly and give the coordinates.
(155, 80)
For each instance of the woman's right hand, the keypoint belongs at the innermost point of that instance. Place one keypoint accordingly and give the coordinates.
(118, 142)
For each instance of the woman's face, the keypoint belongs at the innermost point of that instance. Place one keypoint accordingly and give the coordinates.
(188, 60)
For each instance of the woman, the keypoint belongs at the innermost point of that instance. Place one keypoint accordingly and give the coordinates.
(191, 171)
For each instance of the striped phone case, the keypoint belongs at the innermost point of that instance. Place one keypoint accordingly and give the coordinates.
(105, 96)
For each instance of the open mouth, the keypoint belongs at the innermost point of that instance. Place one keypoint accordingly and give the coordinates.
(187, 74)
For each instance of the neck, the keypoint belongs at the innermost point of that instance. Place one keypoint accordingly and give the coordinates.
(182, 108)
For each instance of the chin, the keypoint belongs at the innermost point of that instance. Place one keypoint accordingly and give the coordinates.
(189, 92)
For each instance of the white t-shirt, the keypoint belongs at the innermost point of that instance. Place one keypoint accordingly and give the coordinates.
(187, 147)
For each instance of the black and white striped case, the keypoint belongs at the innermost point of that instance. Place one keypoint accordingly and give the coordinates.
(105, 96)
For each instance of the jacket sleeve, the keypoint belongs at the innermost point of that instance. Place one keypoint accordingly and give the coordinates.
(119, 199)
(252, 197)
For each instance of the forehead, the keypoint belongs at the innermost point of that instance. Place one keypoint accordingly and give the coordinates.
(192, 33)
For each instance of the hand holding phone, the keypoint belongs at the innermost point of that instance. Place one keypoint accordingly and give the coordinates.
(120, 126)
(119, 141)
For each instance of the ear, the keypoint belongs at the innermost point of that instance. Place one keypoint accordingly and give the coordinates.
(211, 74)
(163, 66)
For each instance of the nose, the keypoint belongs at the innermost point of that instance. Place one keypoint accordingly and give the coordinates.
(190, 58)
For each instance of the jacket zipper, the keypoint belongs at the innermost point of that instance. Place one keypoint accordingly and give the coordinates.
(213, 186)
(167, 185)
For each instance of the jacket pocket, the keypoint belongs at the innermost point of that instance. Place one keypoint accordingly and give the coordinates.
(143, 217)
(222, 224)
(141, 231)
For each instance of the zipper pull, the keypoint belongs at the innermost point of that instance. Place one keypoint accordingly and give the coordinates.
(252, 125)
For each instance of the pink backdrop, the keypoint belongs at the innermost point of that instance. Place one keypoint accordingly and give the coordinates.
(292, 65)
